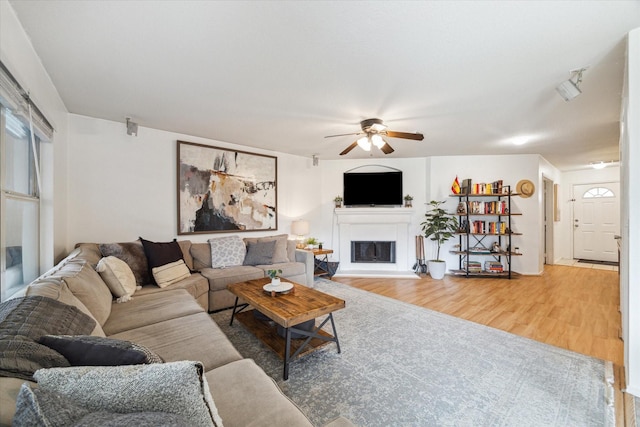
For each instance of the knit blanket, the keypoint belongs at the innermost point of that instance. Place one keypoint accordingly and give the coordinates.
(23, 321)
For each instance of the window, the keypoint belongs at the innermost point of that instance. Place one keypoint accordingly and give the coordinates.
(19, 204)
(597, 192)
(20, 237)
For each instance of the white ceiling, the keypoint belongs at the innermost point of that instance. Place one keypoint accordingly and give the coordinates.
(281, 75)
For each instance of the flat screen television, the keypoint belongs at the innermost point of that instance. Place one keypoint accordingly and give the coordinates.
(373, 189)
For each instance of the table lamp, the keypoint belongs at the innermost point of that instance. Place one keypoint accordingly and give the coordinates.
(300, 229)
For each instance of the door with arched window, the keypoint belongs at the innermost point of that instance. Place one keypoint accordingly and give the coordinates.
(596, 221)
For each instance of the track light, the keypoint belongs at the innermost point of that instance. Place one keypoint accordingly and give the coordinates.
(132, 127)
(569, 89)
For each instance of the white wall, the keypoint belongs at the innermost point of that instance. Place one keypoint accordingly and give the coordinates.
(630, 172)
(122, 187)
(18, 55)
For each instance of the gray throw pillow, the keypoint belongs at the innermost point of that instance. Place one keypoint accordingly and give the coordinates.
(35, 407)
(259, 253)
(88, 350)
(137, 419)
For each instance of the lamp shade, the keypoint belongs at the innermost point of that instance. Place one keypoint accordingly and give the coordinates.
(300, 228)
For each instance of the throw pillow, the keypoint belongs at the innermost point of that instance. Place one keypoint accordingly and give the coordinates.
(118, 276)
(161, 253)
(133, 254)
(280, 253)
(227, 251)
(87, 285)
(171, 273)
(178, 388)
(87, 350)
(259, 253)
(26, 319)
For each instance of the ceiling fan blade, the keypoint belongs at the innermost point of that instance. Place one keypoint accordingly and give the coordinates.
(405, 135)
(349, 148)
(343, 134)
(386, 148)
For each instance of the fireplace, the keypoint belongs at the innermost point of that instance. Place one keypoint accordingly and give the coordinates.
(373, 252)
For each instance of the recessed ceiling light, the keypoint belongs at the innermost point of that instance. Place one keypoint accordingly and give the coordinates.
(520, 140)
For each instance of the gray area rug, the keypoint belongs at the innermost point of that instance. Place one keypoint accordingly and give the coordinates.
(403, 365)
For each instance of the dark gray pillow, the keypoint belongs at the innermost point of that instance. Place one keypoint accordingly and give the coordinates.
(133, 254)
(88, 350)
(259, 253)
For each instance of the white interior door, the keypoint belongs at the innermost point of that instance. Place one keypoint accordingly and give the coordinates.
(596, 220)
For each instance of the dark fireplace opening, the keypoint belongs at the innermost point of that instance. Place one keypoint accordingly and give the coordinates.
(373, 252)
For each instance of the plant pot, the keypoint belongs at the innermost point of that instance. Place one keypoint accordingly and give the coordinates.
(437, 269)
(275, 281)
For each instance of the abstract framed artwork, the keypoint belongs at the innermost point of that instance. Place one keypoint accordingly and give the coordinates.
(223, 190)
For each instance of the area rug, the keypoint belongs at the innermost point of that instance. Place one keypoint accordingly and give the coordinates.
(403, 365)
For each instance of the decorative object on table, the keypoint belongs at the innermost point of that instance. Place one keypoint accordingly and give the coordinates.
(465, 187)
(408, 201)
(311, 242)
(222, 190)
(320, 245)
(455, 187)
(525, 188)
(496, 247)
(275, 279)
(300, 229)
(338, 201)
(439, 226)
(462, 208)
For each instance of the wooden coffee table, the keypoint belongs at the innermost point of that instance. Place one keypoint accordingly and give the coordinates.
(287, 310)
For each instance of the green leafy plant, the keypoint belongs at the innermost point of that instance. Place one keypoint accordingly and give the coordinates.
(273, 273)
(311, 241)
(439, 225)
(408, 197)
(338, 199)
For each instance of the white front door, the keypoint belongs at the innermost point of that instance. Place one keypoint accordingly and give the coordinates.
(596, 220)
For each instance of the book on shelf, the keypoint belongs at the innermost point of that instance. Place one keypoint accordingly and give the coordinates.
(473, 266)
(493, 267)
(494, 187)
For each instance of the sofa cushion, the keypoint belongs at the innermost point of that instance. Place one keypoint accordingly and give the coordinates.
(291, 250)
(236, 383)
(280, 250)
(170, 273)
(201, 253)
(259, 253)
(86, 350)
(195, 284)
(133, 254)
(289, 269)
(150, 308)
(185, 247)
(192, 337)
(118, 276)
(179, 388)
(220, 278)
(89, 252)
(227, 251)
(35, 407)
(23, 321)
(9, 390)
(58, 290)
(87, 285)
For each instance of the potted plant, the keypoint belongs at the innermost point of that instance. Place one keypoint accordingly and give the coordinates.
(408, 201)
(311, 242)
(338, 201)
(439, 226)
(273, 274)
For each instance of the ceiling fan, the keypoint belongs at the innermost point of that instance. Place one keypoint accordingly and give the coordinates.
(374, 130)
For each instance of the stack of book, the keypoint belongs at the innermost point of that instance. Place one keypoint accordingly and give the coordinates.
(473, 266)
(494, 187)
(493, 267)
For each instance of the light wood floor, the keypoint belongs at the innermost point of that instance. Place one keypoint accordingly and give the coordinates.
(569, 307)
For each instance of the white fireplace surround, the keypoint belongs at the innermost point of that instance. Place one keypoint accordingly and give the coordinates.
(380, 224)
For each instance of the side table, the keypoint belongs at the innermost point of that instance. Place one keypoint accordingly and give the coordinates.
(321, 256)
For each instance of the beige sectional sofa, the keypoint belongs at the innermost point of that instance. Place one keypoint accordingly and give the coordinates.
(174, 323)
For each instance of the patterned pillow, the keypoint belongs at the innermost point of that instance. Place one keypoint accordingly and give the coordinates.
(227, 251)
(87, 350)
(259, 253)
(118, 276)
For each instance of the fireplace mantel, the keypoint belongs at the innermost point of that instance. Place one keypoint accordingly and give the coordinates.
(372, 223)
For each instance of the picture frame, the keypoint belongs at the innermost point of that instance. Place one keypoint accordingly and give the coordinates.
(222, 190)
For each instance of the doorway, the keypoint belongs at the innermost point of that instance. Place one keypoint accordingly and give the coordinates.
(596, 221)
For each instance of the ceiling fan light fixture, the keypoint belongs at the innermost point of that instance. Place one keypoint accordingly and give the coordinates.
(378, 127)
(377, 140)
(364, 143)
